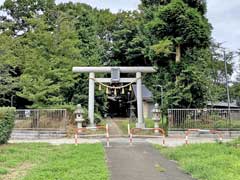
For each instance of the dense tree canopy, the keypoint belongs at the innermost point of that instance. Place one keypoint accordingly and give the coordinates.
(42, 41)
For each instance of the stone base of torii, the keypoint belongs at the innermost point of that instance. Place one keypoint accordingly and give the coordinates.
(138, 79)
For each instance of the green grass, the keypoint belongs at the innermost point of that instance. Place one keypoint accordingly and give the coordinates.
(210, 161)
(40, 161)
(123, 125)
(210, 124)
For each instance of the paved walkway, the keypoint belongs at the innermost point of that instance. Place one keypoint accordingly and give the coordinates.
(114, 130)
(170, 142)
(141, 162)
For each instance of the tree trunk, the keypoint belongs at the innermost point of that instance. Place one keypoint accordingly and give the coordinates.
(178, 53)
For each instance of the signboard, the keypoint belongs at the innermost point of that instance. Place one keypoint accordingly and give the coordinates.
(115, 75)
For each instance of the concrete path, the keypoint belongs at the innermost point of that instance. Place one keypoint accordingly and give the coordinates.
(141, 162)
(114, 130)
(170, 142)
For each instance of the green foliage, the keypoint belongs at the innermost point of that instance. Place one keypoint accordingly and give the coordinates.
(128, 46)
(208, 161)
(20, 11)
(123, 125)
(180, 23)
(164, 47)
(42, 41)
(218, 76)
(97, 117)
(8, 70)
(57, 38)
(200, 5)
(235, 92)
(3, 171)
(178, 30)
(44, 161)
(7, 117)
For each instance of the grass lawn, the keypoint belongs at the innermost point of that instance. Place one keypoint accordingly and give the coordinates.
(40, 161)
(123, 125)
(216, 124)
(210, 161)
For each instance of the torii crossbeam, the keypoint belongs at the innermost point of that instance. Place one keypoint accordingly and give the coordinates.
(92, 70)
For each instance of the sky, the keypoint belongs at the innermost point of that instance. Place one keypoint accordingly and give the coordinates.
(224, 15)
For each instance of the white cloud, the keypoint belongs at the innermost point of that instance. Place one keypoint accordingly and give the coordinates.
(224, 16)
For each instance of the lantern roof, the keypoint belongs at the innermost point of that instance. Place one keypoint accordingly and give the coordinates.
(79, 109)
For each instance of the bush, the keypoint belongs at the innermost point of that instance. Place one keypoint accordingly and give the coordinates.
(7, 117)
(97, 117)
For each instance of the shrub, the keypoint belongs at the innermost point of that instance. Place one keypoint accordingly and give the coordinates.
(7, 117)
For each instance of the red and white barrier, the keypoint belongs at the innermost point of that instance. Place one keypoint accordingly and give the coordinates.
(107, 135)
(187, 133)
(106, 128)
(131, 139)
(129, 129)
(160, 130)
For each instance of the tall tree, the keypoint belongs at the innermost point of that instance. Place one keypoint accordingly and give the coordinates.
(178, 36)
(17, 13)
(200, 5)
(9, 71)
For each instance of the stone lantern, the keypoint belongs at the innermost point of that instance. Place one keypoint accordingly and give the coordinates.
(156, 117)
(79, 116)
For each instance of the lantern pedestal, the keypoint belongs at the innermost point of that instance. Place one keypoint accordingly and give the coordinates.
(79, 122)
(156, 117)
(156, 125)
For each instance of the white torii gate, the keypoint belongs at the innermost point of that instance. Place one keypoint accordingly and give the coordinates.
(138, 79)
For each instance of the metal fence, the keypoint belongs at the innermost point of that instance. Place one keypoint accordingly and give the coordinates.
(41, 119)
(222, 119)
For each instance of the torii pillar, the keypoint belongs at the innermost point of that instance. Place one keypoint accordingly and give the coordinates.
(138, 80)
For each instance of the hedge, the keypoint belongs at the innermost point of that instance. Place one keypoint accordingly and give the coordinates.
(7, 117)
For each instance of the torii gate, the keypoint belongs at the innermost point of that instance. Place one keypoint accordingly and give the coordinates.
(115, 77)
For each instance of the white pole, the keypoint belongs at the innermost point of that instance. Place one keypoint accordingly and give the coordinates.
(91, 99)
(76, 140)
(186, 139)
(140, 123)
(163, 140)
(107, 135)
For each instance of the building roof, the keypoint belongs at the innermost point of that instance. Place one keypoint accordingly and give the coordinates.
(224, 104)
(146, 93)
